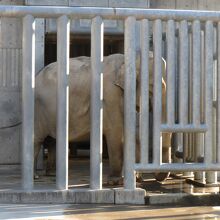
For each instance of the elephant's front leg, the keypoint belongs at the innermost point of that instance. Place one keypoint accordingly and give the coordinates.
(115, 152)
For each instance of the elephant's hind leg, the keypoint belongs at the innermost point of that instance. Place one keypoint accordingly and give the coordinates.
(37, 147)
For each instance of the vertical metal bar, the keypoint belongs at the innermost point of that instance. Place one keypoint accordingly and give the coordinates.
(196, 71)
(144, 95)
(184, 69)
(208, 89)
(130, 103)
(211, 177)
(200, 137)
(170, 72)
(28, 85)
(96, 103)
(208, 96)
(63, 32)
(199, 175)
(190, 98)
(157, 92)
(218, 96)
(202, 82)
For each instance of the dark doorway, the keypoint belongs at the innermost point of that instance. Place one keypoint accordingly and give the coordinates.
(80, 46)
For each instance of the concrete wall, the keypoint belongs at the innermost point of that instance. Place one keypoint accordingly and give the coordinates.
(92, 3)
(10, 86)
(174, 4)
(186, 4)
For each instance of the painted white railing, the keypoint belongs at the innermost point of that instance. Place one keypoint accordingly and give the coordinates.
(189, 74)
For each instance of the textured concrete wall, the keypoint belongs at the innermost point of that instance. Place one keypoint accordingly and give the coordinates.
(186, 4)
(92, 3)
(10, 86)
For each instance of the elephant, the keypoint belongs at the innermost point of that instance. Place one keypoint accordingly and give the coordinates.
(79, 106)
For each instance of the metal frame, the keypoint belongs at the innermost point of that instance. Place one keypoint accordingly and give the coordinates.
(64, 14)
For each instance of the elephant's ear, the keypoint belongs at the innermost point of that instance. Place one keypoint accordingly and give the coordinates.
(119, 80)
(119, 77)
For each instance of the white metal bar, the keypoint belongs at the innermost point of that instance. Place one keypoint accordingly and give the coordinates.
(107, 13)
(167, 167)
(208, 89)
(183, 78)
(199, 143)
(196, 72)
(170, 72)
(185, 128)
(63, 32)
(210, 176)
(218, 96)
(96, 103)
(144, 94)
(157, 92)
(129, 104)
(28, 86)
(200, 137)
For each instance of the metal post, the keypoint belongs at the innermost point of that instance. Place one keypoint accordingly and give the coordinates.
(157, 92)
(130, 104)
(218, 96)
(171, 73)
(200, 137)
(210, 177)
(28, 86)
(96, 103)
(183, 79)
(196, 41)
(63, 32)
(144, 95)
(190, 99)
(196, 72)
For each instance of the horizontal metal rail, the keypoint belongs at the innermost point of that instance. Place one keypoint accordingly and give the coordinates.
(177, 167)
(108, 13)
(183, 128)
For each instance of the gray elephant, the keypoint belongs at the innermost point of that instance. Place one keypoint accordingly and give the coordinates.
(79, 106)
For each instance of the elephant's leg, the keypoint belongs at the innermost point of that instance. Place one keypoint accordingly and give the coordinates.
(37, 147)
(50, 143)
(115, 153)
(166, 155)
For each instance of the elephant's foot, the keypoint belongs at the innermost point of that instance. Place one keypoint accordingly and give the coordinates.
(36, 176)
(139, 178)
(161, 176)
(115, 181)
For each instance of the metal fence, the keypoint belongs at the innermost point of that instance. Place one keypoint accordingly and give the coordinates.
(190, 62)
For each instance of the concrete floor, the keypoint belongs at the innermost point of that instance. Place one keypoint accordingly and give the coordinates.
(170, 191)
(107, 212)
(10, 178)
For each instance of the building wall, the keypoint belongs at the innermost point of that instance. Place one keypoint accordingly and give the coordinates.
(186, 4)
(10, 86)
(92, 3)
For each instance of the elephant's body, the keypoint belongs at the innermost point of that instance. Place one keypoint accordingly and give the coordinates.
(79, 105)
